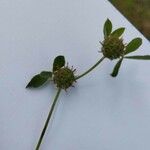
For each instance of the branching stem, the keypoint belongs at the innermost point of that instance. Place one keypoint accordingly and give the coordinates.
(55, 101)
(89, 70)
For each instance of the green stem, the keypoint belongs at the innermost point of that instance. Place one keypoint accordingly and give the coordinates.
(89, 70)
(47, 120)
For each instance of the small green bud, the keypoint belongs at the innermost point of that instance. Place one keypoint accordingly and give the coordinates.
(64, 77)
(113, 47)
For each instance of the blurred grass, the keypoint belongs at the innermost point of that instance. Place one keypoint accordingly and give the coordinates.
(137, 12)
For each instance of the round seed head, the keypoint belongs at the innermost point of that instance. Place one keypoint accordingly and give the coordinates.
(113, 47)
(64, 77)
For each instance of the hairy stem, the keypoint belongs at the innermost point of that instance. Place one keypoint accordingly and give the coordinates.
(89, 70)
(48, 119)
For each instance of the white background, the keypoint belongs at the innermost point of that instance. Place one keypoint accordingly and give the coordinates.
(100, 113)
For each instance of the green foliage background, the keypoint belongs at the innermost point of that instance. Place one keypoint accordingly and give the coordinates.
(137, 11)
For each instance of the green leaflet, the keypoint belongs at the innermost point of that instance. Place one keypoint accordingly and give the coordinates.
(116, 68)
(118, 32)
(107, 28)
(144, 57)
(133, 45)
(59, 62)
(39, 79)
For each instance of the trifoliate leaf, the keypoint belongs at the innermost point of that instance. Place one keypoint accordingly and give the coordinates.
(107, 28)
(59, 62)
(39, 79)
(116, 68)
(133, 45)
(118, 32)
(144, 57)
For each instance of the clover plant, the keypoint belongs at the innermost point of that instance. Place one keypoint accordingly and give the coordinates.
(64, 77)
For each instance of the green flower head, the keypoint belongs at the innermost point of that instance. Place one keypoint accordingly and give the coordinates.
(113, 47)
(61, 75)
(64, 77)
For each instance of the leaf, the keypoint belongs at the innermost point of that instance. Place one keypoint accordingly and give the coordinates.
(39, 79)
(36, 81)
(144, 57)
(59, 62)
(118, 32)
(107, 28)
(133, 45)
(116, 68)
(46, 74)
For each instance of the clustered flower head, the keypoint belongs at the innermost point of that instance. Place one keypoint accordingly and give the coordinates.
(63, 76)
(113, 47)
